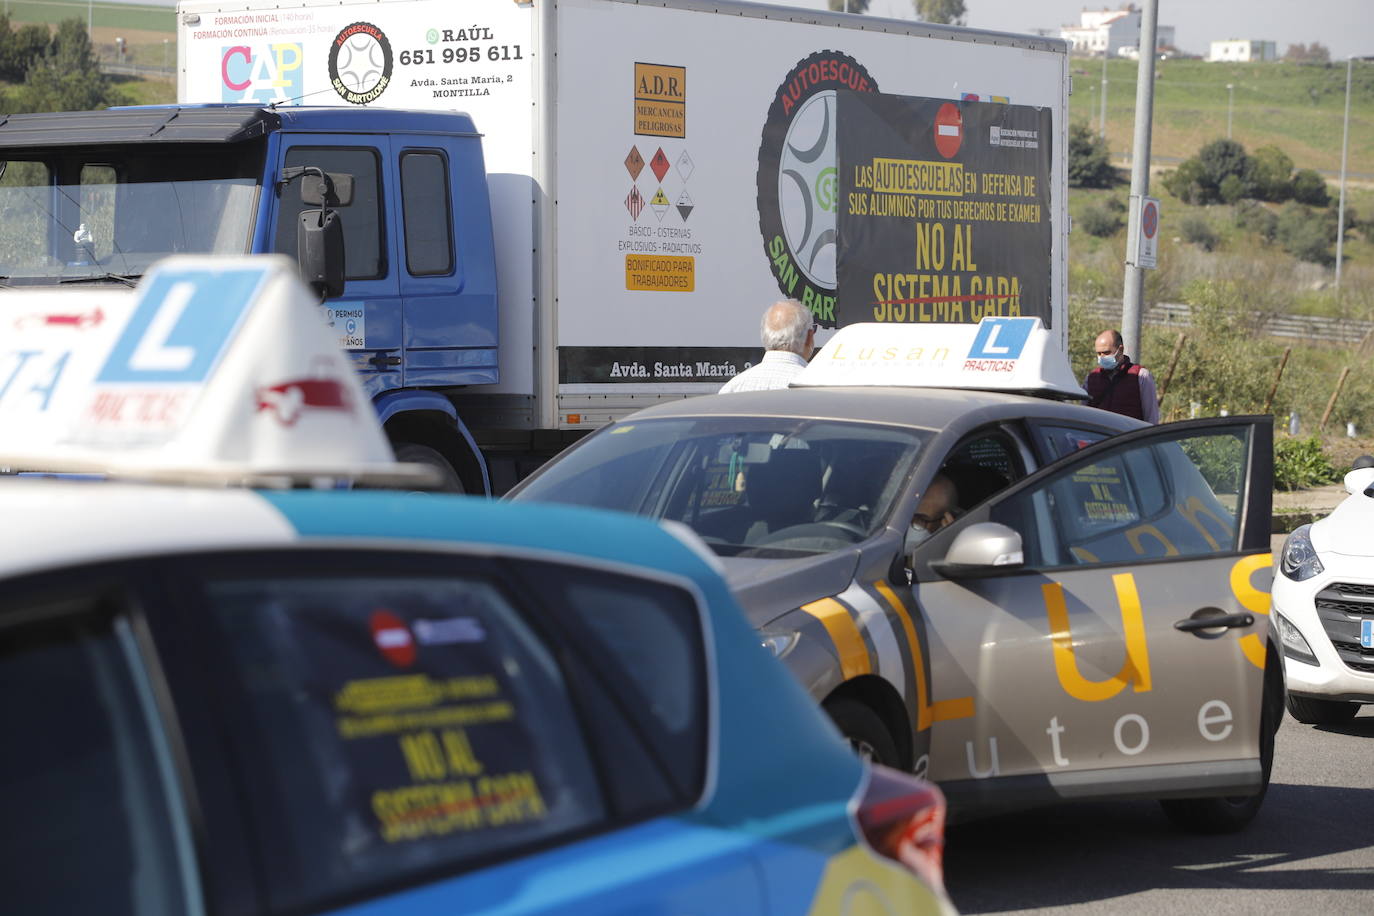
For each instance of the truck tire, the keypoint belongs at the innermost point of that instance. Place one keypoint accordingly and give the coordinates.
(1311, 711)
(864, 730)
(413, 453)
(1228, 814)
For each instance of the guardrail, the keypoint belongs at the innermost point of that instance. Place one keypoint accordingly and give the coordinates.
(1300, 327)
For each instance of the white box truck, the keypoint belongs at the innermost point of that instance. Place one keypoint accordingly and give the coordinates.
(627, 187)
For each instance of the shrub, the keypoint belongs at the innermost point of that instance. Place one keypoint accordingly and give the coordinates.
(1304, 234)
(1197, 230)
(1221, 159)
(1256, 218)
(1186, 183)
(1309, 187)
(1301, 462)
(1100, 221)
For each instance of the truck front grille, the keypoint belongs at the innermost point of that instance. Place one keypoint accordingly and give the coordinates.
(1340, 608)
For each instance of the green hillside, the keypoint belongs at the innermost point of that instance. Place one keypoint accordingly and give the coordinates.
(1298, 107)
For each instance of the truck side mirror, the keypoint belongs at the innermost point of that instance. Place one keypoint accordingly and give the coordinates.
(328, 189)
(320, 251)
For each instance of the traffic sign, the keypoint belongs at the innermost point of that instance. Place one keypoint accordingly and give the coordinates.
(1146, 225)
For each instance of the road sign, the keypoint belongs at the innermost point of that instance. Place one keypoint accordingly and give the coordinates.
(1147, 232)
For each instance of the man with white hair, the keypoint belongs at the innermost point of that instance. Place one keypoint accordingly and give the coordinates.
(789, 339)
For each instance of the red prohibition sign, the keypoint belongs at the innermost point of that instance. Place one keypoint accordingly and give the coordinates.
(949, 130)
(1150, 221)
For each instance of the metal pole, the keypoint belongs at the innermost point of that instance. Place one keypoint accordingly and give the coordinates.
(1340, 210)
(1230, 94)
(1134, 285)
(1102, 119)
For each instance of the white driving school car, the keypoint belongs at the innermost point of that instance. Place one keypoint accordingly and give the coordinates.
(1094, 621)
(1324, 607)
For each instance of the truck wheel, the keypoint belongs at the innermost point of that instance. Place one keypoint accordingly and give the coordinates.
(1230, 813)
(1310, 711)
(865, 731)
(411, 453)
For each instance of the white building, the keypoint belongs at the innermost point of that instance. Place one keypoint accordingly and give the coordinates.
(1243, 49)
(1107, 31)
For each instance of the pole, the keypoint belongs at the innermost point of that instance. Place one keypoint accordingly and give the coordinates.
(1230, 95)
(90, 19)
(1273, 389)
(1340, 210)
(1102, 118)
(1134, 285)
(1331, 404)
(1169, 373)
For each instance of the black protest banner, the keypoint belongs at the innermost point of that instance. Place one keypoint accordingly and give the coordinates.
(944, 209)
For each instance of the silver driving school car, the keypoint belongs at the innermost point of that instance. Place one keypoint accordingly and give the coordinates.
(1024, 599)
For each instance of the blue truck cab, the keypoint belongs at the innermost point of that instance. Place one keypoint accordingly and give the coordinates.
(97, 197)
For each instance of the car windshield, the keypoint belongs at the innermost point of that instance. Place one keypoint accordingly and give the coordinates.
(749, 486)
(83, 215)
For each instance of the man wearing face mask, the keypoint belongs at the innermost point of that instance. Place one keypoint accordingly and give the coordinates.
(1119, 385)
(936, 508)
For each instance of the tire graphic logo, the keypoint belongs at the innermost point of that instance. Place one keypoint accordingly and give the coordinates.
(798, 186)
(360, 63)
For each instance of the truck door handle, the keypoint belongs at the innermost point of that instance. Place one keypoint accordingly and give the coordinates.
(1208, 623)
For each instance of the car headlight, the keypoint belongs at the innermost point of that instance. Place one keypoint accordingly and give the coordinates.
(1294, 643)
(1298, 560)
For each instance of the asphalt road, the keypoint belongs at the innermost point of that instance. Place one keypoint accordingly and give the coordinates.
(1310, 850)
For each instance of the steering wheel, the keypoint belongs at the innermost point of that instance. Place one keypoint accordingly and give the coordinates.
(834, 531)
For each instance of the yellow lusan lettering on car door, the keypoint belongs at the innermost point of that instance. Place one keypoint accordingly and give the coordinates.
(1135, 670)
(927, 713)
(1253, 600)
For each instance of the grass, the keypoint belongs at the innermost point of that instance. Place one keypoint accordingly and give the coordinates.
(102, 15)
(1298, 107)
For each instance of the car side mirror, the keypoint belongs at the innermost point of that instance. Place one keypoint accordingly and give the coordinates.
(320, 251)
(979, 549)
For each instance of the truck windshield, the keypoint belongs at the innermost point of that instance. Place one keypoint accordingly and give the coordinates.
(88, 214)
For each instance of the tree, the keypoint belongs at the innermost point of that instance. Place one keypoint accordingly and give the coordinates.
(949, 12)
(1225, 157)
(19, 49)
(1089, 162)
(1309, 187)
(67, 77)
(1273, 174)
(1304, 234)
(1315, 53)
(1187, 183)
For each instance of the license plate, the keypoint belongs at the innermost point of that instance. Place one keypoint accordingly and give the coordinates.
(1367, 633)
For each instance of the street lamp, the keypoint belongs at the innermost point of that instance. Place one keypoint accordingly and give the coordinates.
(1102, 119)
(1340, 210)
(1230, 94)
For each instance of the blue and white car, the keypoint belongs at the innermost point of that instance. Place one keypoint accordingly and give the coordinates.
(301, 699)
(1324, 607)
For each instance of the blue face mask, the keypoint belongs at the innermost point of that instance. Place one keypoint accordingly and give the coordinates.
(1107, 362)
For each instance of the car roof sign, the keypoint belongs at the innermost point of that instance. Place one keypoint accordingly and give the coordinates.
(997, 354)
(213, 370)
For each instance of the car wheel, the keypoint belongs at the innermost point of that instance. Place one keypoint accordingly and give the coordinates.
(1228, 814)
(865, 731)
(1311, 711)
(411, 453)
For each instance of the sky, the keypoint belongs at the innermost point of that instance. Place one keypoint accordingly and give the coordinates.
(1346, 27)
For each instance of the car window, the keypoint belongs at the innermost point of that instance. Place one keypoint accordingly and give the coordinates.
(750, 486)
(1059, 441)
(85, 779)
(392, 726)
(982, 466)
(1178, 497)
(646, 638)
(364, 257)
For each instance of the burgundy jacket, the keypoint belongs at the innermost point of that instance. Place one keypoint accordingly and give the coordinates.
(1124, 396)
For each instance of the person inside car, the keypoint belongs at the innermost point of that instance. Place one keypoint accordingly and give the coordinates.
(936, 507)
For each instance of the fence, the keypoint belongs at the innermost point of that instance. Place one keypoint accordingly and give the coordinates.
(1300, 327)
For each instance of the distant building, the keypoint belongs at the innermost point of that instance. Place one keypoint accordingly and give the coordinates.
(1243, 49)
(1108, 32)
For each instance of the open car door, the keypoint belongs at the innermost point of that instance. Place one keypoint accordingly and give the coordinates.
(1108, 615)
